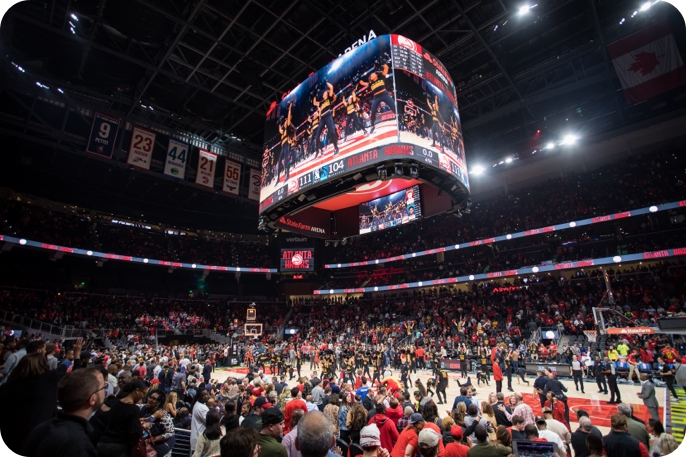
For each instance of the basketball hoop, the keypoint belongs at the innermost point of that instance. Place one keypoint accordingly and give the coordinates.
(591, 335)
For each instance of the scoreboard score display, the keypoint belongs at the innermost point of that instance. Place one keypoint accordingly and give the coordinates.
(297, 260)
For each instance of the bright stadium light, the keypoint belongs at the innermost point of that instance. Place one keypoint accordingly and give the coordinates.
(550, 145)
(526, 8)
(478, 170)
(569, 139)
(645, 6)
(508, 160)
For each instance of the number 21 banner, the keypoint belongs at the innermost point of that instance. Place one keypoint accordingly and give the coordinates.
(232, 176)
(142, 144)
(103, 135)
(177, 153)
(207, 163)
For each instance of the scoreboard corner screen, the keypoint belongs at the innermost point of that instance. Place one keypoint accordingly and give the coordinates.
(296, 260)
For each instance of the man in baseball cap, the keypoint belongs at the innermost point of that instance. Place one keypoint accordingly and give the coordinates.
(370, 437)
(428, 442)
(254, 420)
(456, 447)
(416, 417)
(272, 431)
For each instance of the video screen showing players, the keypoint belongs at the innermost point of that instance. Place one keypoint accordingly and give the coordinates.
(345, 108)
(392, 210)
(428, 118)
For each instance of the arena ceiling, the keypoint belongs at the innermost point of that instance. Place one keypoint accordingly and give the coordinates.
(213, 67)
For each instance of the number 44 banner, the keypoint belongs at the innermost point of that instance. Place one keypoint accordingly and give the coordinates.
(142, 144)
(232, 176)
(177, 156)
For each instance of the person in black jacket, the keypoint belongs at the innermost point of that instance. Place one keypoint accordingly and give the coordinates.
(124, 428)
(80, 393)
(500, 416)
(29, 397)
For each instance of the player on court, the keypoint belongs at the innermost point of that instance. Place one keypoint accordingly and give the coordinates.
(377, 85)
(325, 106)
(285, 154)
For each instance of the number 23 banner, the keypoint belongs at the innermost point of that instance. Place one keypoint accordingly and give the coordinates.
(207, 163)
(142, 144)
(232, 176)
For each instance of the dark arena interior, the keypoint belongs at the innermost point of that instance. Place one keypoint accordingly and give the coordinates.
(303, 228)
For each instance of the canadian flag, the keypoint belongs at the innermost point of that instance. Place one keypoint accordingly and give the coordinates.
(647, 62)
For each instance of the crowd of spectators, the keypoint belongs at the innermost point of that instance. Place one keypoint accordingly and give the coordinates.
(642, 293)
(636, 235)
(135, 318)
(636, 182)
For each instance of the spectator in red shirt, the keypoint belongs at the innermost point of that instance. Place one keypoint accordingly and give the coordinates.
(296, 402)
(498, 376)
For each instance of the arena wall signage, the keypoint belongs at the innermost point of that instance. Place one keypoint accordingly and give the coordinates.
(124, 258)
(538, 231)
(665, 253)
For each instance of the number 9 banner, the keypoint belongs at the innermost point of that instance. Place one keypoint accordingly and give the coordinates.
(103, 135)
(140, 151)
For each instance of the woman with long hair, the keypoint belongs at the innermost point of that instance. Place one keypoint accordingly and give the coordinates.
(655, 432)
(124, 428)
(348, 401)
(331, 411)
(489, 415)
(30, 394)
(430, 414)
(208, 441)
(503, 440)
(357, 418)
(170, 404)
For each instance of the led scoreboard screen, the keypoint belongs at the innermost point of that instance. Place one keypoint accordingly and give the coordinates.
(388, 99)
(392, 210)
(296, 260)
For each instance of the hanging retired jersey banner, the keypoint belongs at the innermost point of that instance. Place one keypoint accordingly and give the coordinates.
(177, 154)
(232, 176)
(140, 151)
(207, 163)
(254, 184)
(103, 135)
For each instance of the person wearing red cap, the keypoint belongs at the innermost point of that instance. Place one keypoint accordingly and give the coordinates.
(456, 448)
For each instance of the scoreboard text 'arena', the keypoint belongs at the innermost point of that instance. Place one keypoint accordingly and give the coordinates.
(296, 260)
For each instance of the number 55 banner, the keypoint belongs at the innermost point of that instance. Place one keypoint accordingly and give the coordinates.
(232, 176)
(207, 163)
(142, 144)
(103, 135)
(254, 184)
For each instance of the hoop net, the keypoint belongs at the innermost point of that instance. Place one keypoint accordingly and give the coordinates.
(591, 335)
